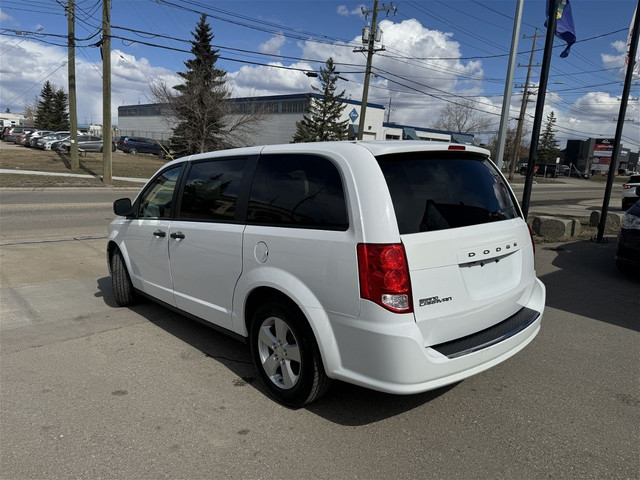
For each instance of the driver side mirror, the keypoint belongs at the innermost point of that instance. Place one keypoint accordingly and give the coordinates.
(122, 207)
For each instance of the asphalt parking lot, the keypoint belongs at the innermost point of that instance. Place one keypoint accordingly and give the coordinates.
(89, 390)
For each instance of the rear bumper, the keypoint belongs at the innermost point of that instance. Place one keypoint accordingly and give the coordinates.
(391, 357)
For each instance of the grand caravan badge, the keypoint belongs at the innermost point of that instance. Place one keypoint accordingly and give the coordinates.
(424, 302)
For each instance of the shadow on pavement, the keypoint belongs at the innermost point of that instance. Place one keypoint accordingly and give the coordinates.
(588, 283)
(343, 404)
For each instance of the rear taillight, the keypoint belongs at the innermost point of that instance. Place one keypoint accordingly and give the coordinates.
(384, 276)
(626, 187)
(533, 243)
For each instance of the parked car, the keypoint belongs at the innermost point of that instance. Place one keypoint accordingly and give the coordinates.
(56, 145)
(398, 266)
(135, 145)
(14, 133)
(629, 193)
(86, 143)
(549, 170)
(51, 142)
(11, 134)
(33, 137)
(628, 248)
(5, 130)
(20, 138)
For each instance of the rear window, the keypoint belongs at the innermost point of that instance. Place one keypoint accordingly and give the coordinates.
(634, 179)
(441, 190)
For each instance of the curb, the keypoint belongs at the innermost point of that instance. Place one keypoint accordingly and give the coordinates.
(74, 175)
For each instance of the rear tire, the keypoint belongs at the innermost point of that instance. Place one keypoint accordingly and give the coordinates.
(120, 281)
(286, 354)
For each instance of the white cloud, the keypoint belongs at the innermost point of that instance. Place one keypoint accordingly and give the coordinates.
(408, 70)
(262, 80)
(619, 46)
(613, 60)
(25, 68)
(273, 45)
(345, 12)
(5, 17)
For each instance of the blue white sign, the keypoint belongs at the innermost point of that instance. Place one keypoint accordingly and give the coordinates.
(353, 115)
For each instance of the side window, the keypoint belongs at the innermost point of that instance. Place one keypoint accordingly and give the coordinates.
(211, 190)
(155, 202)
(302, 191)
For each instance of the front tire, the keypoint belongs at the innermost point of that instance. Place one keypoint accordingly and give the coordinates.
(120, 281)
(133, 150)
(286, 354)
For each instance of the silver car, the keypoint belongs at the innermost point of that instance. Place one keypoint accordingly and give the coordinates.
(86, 143)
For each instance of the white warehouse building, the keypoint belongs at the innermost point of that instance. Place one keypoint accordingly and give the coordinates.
(278, 121)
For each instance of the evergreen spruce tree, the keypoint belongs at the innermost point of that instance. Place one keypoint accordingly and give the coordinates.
(59, 113)
(44, 107)
(323, 121)
(201, 102)
(548, 145)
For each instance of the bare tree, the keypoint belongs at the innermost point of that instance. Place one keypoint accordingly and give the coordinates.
(240, 120)
(30, 111)
(462, 117)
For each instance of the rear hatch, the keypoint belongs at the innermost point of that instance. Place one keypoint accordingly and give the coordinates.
(469, 251)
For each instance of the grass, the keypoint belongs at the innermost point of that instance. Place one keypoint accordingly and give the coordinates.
(14, 157)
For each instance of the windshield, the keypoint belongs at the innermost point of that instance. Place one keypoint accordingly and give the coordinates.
(440, 190)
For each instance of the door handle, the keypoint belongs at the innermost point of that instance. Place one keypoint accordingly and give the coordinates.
(177, 235)
(159, 234)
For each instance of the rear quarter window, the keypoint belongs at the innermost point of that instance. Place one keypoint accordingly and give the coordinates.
(296, 190)
(440, 190)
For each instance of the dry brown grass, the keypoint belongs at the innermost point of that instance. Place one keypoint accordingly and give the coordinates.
(14, 157)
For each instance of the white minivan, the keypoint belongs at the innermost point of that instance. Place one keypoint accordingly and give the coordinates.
(401, 266)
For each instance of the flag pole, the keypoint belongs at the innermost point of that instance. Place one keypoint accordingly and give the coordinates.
(623, 111)
(542, 93)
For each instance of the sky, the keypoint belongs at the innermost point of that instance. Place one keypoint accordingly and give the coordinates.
(435, 53)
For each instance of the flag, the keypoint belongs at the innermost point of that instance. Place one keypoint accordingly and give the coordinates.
(636, 66)
(564, 25)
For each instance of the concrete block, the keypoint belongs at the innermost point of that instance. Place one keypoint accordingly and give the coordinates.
(613, 220)
(555, 228)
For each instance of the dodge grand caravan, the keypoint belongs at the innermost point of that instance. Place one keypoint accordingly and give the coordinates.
(398, 266)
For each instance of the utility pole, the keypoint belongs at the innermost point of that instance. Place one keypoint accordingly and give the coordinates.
(523, 109)
(71, 69)
(506, 99)
(369, 37)
(106, 92)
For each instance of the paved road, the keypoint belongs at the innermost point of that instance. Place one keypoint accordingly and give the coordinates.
(57, 213)
(94, 391)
